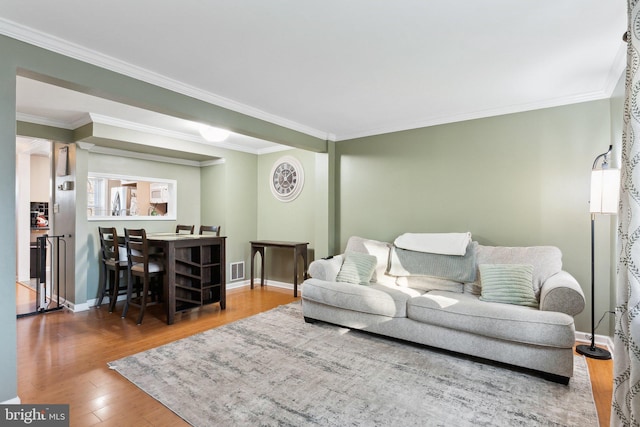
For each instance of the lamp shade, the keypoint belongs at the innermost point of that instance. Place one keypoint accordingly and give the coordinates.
(605, 191)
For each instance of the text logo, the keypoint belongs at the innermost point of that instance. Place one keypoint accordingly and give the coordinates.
(34, 415)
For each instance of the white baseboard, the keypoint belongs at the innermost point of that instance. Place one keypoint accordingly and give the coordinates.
(267, 282)
(92, 303)
(233, 285)
(239, 284)
(68, 304)
(602, 340)
(276, 284)
(76, 308)
(14, 401)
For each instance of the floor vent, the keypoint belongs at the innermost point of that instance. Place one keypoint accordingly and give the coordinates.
(237, 270)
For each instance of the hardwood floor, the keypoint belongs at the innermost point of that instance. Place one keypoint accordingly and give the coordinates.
(601, 373)
(62, 357)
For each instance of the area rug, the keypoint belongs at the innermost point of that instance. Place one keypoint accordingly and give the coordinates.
(275, 369)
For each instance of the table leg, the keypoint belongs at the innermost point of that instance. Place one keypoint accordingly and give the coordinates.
(253, 255)
(261, 250)
(223, 277)
(254, 251)
(170, 282)
(295, 272)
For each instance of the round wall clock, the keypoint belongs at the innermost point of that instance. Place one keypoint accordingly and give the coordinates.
(286, 179)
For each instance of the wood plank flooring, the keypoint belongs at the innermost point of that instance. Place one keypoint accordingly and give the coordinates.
(62, 357)
(601, 373)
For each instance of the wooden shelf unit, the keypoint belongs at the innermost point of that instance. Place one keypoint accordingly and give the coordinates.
(199, 275)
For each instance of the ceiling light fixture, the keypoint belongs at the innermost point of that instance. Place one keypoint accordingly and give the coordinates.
(213, 134)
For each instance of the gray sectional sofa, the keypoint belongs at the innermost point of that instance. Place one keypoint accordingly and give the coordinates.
(451, 314)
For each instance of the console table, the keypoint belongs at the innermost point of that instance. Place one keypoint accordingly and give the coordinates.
(299, 249)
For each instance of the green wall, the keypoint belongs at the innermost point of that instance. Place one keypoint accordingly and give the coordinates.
(229, 199)
(8, 365)
(33, 62)
(291, 221)
(513, 180)
(520, 179)
(87, 239)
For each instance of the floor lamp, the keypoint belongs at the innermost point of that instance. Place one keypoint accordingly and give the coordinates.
(605, 188)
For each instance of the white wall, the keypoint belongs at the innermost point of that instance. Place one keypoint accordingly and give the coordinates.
(40, 178)
(23, 221)
(33, 181)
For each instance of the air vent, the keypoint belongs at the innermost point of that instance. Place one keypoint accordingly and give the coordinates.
(237, 270)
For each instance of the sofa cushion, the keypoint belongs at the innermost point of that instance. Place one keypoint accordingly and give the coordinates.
(376, 248)
(546, 261)
(467, 313)
(427, 283)
(154, 267)
(374, 299)
(357, 268)
(325, 268)
(508, 284)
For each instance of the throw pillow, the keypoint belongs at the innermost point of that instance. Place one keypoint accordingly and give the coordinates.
(377, 248)
(508, 284)
(546, 260)
(357, 268)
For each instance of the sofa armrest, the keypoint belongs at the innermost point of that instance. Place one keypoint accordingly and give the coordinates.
(326, 269)
(562, 292)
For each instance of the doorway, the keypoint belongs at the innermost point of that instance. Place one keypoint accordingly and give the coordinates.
(33, 219)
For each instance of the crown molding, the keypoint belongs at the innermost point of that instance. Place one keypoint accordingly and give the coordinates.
(84, 120)
(124, 124)
(483, 114)
(83, 145)
(64, 47)
(111, 121)
(21, 117)
(276, 149)
(73, 50)
(98, 149)
(212, 162)
(617, 70)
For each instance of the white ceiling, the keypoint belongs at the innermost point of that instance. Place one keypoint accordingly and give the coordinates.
(334, 69)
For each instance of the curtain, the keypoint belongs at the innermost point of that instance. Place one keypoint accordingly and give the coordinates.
(625, 405)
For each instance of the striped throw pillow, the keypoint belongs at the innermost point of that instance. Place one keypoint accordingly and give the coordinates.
(507, 284)
(357, 268)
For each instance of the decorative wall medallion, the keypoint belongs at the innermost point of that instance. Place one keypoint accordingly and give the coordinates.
(286, 179)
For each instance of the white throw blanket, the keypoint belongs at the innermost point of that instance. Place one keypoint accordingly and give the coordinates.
(435, 243)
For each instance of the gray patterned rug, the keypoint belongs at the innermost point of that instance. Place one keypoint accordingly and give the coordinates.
(274, 369)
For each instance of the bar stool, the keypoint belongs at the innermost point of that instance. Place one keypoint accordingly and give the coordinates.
(210, 228)
(145, 266)
(113, 260)
(188, 228)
